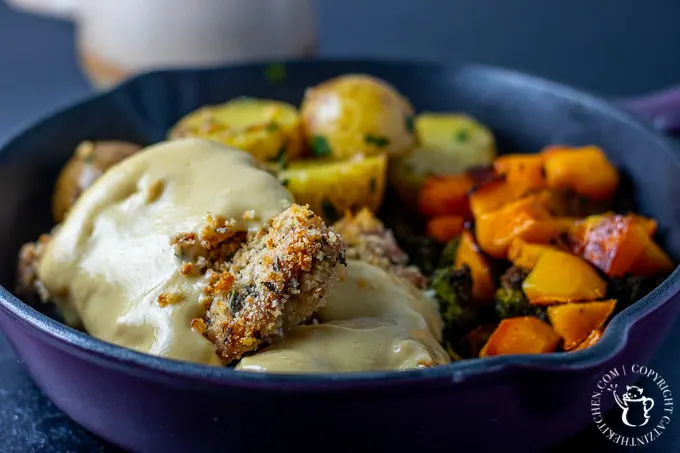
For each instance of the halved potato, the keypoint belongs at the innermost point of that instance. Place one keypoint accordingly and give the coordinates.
(89, 161)
(356, 114)
(449, 144)
(269, 130)
(333, 188)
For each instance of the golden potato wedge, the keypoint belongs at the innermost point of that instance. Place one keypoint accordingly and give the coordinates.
(331, 188)
(448, 144)
(356, 115)
(269, 130)
(90, 160)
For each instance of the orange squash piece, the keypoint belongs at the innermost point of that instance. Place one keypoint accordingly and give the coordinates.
(468, 253)
(592, 338)
(522, 335)
(560, 277)
(524, 254)
(611, 242)
(574, 322)
(566, 224)
(584, 170)
(445, 195)
(525, 219)
(649, 224)
(523, 172)
(491, 195)
(445, 228)
(651, 261)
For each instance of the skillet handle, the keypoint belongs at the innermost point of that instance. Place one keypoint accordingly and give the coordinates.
(661, 108)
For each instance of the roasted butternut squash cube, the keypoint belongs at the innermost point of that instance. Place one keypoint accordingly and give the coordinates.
(584, 170)
(574, 322)
(468, 252)
(560, 277)
(522, 335)
(526, 219)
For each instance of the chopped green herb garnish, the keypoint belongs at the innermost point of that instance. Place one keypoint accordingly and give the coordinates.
(409, 122)
(281, 158)
(461, 135)
(272, 127)
(378, 142)
(373, 185)
(275, 73)
(320, 146)
(329, 211)
(285, 182)
(234, 301)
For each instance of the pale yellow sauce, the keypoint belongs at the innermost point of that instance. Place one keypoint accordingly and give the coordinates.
(110, 260)
(373, 321)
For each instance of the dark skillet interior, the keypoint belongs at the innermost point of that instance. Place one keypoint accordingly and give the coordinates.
(524, 113)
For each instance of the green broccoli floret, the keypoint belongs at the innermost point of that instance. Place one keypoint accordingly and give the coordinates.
(510, 301)
(629, 289)
(453, 288)
(448, 255)
(460, 312)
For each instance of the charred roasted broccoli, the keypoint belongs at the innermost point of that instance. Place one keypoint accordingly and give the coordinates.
(461, 313)
(453, 288)
(448, 255)
(510, 301)
(629, 289)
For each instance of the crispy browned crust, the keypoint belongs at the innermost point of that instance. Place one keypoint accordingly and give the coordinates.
(277, 280)
(28, 286)
(368, 240)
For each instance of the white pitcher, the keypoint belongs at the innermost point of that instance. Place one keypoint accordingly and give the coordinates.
(117, 38)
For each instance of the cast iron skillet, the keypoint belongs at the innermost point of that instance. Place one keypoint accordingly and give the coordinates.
(520, 403)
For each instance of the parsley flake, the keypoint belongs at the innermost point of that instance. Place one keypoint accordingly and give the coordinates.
(320, 146)
(378, 142)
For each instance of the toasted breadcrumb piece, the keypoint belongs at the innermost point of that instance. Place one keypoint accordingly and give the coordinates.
(28, 285)
(198, 324)
(189, 269)
(368, 240)
(170, 298)
(154, 191)
(275, 281)
(426, 364)
(212, 248)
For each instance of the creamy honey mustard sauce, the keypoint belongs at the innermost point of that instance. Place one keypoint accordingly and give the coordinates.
(373, 321)
(110, 260)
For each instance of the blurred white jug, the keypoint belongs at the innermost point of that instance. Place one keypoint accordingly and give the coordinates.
(117, 38)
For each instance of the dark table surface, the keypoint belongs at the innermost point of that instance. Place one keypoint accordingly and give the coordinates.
(615, 47)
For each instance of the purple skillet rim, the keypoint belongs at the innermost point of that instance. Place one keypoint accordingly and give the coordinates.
(610, 346)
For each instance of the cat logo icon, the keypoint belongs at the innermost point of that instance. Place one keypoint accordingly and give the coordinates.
(635, 407)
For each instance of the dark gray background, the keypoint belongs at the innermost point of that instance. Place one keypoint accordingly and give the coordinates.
(613, 47)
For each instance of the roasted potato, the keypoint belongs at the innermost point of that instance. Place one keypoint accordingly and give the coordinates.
(356, 115)
(269, 130)
(90, 160)
(449, 144)
(333, 188)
